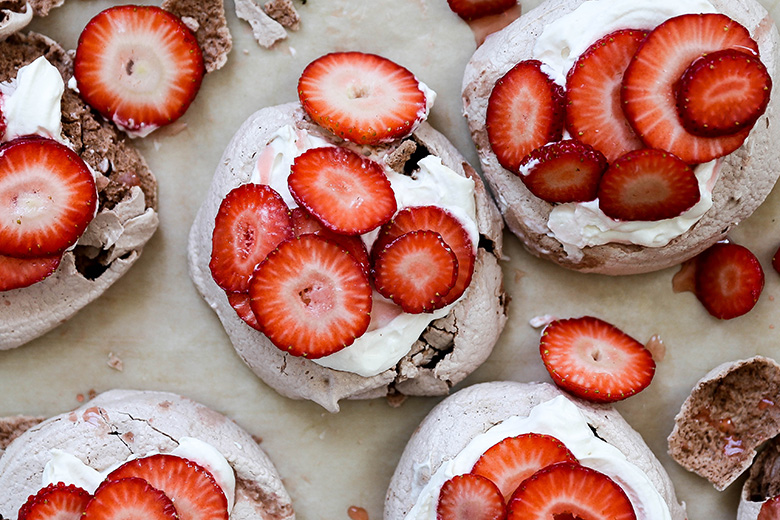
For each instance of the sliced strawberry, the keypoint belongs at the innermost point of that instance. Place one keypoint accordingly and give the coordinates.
(348, 193)
(415, 271)
(649, 83)
(514, 459)
(3, 122)
(192, 488)
(362, 98)
(770, 510)
(240, 303)
(647, 184)
(47, 197)
(563, 171)
(433, 218)
(303, 222)
(473, 9)
(252, 220)
(311, 297)
(595, 360)
(139, 66)
(776, 260)
(16, 273)
(729, 280)
(723, 92)
(470, 497)
(129, 498)
(525, 111)
(55, 502)
(569, 491)
(593, 110)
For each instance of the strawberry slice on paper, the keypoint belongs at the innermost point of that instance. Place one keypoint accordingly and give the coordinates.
(729, 280)
(525, 111)
(55, 502)
(311, 298)
(649, 83)
(16, 273)
(415, 271)
(569, 491)
(470, 497)
(514, 459)
(350, 194)
(191, 488)
(363, 98)
(252, 220)
(47, 198)
(139, 66)
(595, 360)
(473, 9)
(593, 110)
(131, 497)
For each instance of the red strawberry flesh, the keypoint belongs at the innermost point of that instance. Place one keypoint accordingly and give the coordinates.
(240, 303)
(729, 280)
(470, 497)
(525, 111)
(473, 9)
(55, 502)
(303, 222)
(129, 498)
(514, 459)
(595, 360)
(770, 510)
(593, 110)
(415, 271)
(433, 218)
(252, 220)
(649, 84)
(192, 488)
(363, 98)
(311, 298)
(647, 185)
(723, 92)
(16, 273)
(569, 491)
(346, 192)
(139, 66)
(47, 197)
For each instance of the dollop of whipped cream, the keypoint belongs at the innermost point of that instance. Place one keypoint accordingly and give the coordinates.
(392, 332)
(561, 419)
(579, 225)
(66, 468)
(31, 101)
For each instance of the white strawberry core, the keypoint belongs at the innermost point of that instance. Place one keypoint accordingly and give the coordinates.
(32, 199)
(140, 70)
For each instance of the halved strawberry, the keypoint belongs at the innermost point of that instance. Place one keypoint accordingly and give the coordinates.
(723, 92)
(129, 498)
(415, 271)
(647, 184)
(472, 9)
(139, 66)
(770, 510)
(514, 459)
(593, 110)
(525, 111)
(252, 220)
(16, 273)
(563, 171)
(191, 487)
(729, 280)
(569, 491)
(361, 97)
(304, 222)
(470, 497)
(649, 83)
(55, 502)
(240, 303)
(311, 297)
(348, 193)
(47, 197)
(433, 218)
(595, 360)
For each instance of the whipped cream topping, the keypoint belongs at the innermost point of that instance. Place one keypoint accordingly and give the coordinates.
(31, 101)
(66, 468)
(579, 225)
(561, 419)
(392, 332)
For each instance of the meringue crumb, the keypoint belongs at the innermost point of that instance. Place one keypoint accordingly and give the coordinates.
(115, 362)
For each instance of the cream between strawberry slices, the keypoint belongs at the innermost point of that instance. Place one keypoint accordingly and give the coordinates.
(392, 332)
(560, 418)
